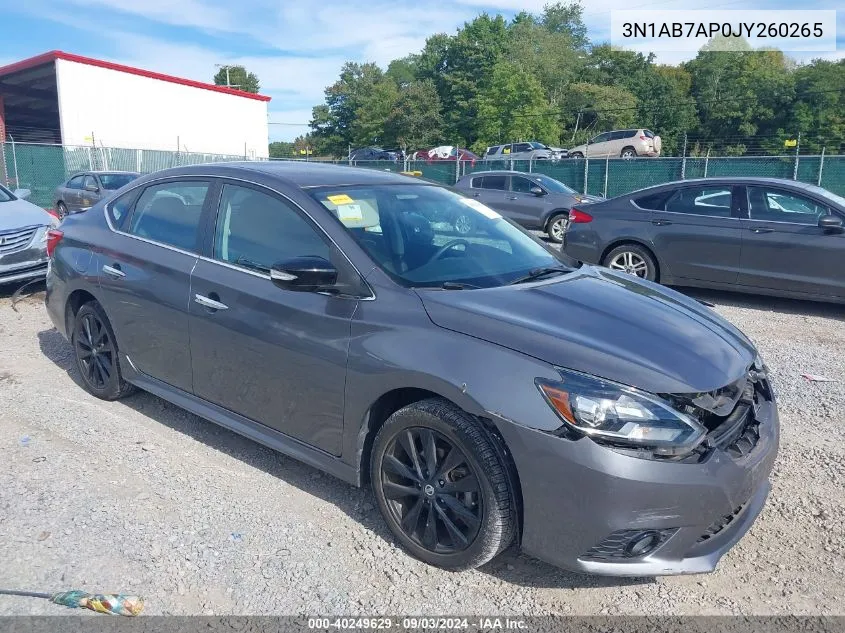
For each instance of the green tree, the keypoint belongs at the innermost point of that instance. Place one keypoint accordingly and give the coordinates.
(566, 19)
(591, 109)
(238, 78)
(818, 112)
(415, 121)
(374, 105)
(742, 94)
(281, 149)
(512, 107)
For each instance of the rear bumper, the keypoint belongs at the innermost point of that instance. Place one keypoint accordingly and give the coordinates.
(577, 496)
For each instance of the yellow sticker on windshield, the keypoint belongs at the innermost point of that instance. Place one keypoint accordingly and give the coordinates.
(340, 198)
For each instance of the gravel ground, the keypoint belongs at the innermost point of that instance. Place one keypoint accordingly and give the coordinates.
(141, 496)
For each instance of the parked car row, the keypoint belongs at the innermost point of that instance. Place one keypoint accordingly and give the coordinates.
(85, 189)
(761, 235)
(488, 392)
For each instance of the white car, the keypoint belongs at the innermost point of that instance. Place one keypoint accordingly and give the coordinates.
(23, 237)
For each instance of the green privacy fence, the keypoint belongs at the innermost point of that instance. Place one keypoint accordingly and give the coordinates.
(41, 168)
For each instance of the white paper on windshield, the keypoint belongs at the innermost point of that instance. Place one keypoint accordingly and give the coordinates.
(350, 213)
(483, 209)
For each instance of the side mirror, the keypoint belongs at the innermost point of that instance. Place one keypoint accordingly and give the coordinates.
(305, 274)
(92, 188)
(831, 224)
(537, 191)
(23, 194)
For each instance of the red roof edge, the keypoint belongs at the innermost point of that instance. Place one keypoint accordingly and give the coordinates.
(52, 56)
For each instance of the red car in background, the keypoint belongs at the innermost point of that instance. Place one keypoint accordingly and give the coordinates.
(445, 152)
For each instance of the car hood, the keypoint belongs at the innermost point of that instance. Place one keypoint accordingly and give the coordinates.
(606, 324)
(16, 214)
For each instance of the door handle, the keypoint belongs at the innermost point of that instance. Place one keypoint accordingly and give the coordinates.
(476, 195)
(661, 222)
(760, 229)
(211, 304)
(512, 198)
(114, 271)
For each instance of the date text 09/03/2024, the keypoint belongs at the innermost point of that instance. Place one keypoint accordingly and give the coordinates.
(419, 623)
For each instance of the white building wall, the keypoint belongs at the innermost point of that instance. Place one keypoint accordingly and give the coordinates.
(126, 110)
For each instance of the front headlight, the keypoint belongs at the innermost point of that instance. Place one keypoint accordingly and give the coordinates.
(622, 415)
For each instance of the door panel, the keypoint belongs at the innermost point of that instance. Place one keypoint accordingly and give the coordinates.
(73, 198)
(275, 356)
(493, 192)
(697, 234)
(521, 206)
(783, 247)
(145, 279)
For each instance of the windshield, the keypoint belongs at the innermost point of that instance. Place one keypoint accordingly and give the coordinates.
(425, 236)
(116, 181)
(536, 145)
(821, 191)
(5, 195)
(555, 186)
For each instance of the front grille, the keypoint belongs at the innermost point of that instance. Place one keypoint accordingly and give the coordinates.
(615, 546)
(17, 240)
(720, 524)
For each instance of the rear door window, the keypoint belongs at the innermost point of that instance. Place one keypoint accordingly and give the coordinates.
(494, 182)
(655, 201)
(170, 213)
(713, 201)
(75, 182)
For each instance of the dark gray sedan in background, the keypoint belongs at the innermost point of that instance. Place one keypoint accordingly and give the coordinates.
(487, 392)
(761, 235)
(534, 201)
(85, 189)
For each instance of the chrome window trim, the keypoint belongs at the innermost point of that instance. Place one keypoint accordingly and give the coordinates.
(222, 263)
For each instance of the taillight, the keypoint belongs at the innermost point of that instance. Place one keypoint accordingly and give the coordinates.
(576, 216)
(54, 236)
(643, 138)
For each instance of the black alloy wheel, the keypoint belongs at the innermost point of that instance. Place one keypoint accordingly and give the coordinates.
(431, 490)
(443, 486)
(96, 352)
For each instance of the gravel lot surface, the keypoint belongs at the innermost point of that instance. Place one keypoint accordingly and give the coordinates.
(141, 496)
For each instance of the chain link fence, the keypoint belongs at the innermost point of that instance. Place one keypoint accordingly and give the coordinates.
(41, 168)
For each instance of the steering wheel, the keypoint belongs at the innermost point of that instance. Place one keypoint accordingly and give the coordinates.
(448, 246)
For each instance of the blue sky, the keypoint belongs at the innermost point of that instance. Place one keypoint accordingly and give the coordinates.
(296, 48)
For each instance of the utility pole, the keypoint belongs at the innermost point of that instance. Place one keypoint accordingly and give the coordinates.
(228, 82)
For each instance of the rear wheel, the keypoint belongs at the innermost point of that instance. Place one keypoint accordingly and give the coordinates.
(628, 152)
(557, 227)
(95, 348)
(61, 209)
(576, 155)
(464, 223)
(442, 487)
(632, 259)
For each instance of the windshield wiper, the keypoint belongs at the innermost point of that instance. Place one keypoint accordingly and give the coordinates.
(456, 285)
(539, 272)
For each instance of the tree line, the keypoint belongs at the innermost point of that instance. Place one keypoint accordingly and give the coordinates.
(538, 77)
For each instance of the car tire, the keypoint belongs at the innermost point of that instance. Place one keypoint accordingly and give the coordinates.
(556, 227)
(61, 209)
(96, 354)
(632, 259)
(576, 155)
(468, 498)
(628, 153)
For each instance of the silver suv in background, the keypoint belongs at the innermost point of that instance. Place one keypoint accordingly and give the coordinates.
(621, 144)
(86, 189)
(531, 150)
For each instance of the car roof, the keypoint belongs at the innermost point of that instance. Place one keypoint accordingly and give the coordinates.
(105, 172)
(726, 180)
(299, 174)
(499, 172)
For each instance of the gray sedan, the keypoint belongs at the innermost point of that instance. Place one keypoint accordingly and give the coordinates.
(85, 189)
(23, 237)
(487, 392)
(534, 201)
(761, 235)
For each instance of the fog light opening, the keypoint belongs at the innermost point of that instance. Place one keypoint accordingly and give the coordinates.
(642, 544)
